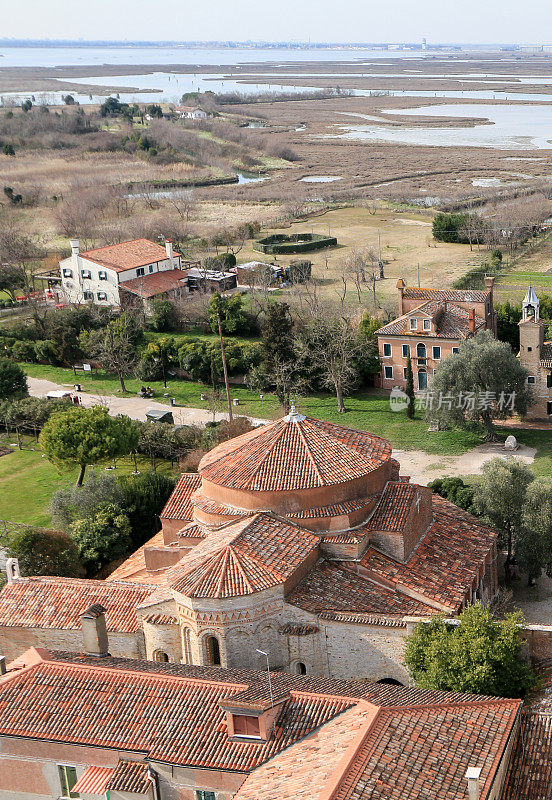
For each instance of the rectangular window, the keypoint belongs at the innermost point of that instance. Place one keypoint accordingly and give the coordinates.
(139, 272)
(436, 352)
(86, 274)
(150, 267)
(102, 296)
(405, 350)
(404, 373)
(455, 349)
(201, 794)
(246, 726)
(427, 324)
(549, 380)
(413, 324)
(549, 407)
(388, 372)
(387, 350)
(531, 379)
(67, 779)
(102, 275)
(67, 273)
(88, 295)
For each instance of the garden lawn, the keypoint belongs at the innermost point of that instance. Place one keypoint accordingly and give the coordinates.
(28, 481)
(368, 410)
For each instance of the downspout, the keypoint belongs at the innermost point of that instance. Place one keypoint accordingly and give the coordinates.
(153, 780)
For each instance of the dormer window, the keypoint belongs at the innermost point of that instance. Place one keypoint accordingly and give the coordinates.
(246, 726)
(413, 324)
(427, 324)
(139, 272)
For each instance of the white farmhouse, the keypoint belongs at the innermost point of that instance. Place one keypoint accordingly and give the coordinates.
(191, 112)
(117, 275)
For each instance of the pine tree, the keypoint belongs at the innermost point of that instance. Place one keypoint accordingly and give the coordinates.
(410, 389)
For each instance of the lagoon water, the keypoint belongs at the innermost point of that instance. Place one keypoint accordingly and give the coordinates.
(513, 127)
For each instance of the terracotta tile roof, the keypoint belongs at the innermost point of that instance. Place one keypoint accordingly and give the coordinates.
(127, 255)
(374, 753)
(363, 619)
(191, 531)
(329, 587)
(133, 568)
(220, 509)
(393, 508)
(161, 619)
(453, 324)
(445, 563)
(179, 505)
(45, 602)
(156, 283)
(130, 776)
(458, 295)
(243, 557)
(169, 718)
(295, 452)
(334, 510)
(530, 772)
(94, 780)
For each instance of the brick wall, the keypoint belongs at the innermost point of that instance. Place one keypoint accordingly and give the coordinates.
(14, 641)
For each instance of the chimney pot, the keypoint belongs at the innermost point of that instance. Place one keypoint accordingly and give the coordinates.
(472, 776)
(169, 249)
(471, 320)
(75, 246)
(94, 631)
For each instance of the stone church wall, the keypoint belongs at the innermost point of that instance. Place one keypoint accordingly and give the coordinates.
(364, 651)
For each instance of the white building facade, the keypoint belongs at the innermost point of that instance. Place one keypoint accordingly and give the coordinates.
(96, 276)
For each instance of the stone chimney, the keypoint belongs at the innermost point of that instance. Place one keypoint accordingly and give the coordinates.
(12, 570)
(75, 247)
(489, 283)
(472, 777)
(3, 668)
(169, 249)
(400, 289)
(471, 321)
(94, 631)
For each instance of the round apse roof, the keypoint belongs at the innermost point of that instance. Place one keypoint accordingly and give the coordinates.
(295, 452)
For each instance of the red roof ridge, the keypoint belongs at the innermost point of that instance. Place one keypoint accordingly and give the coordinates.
(309, 451)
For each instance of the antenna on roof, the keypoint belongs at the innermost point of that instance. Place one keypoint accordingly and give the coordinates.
(262, 652)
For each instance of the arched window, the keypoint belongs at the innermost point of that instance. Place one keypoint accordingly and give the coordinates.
(212, 651)
(421, 350)
(159, 655)
(186, 646)
(300, 668)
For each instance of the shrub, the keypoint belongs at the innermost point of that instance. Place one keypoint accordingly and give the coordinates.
(78, 502)
(143, 498)
(24, 351)
(13, 382)
(455, 490)
(44, 552)
(165, 315)
(102, 538)
(446, 227)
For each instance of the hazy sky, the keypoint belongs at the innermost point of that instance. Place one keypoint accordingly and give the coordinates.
(323, 20)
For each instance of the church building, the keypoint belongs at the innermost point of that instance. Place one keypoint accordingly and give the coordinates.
(297, 545)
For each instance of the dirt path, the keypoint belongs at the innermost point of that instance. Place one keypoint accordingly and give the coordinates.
(423, 467)
(133, 407)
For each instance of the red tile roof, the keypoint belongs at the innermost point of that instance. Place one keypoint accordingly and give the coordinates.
(94, 780)
(457, 295)
(130, 776)
(133, 568)
(179, 505)
(243, 558)
(156, 283)
(334, 510)
(393, 508)
(396, 753)
(446, 562)
(167, 717)
(454, 323)
(330, 587)
(127, 255)
(55, 602)
(295, 452)
(530, 772)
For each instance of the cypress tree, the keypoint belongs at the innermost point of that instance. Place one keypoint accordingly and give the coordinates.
(410, 389)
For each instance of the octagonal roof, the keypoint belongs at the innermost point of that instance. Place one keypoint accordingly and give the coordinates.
(295, 452)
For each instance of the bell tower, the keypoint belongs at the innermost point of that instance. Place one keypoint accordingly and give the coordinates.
(531, 333)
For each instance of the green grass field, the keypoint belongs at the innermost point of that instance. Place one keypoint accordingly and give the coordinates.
(27, 481)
